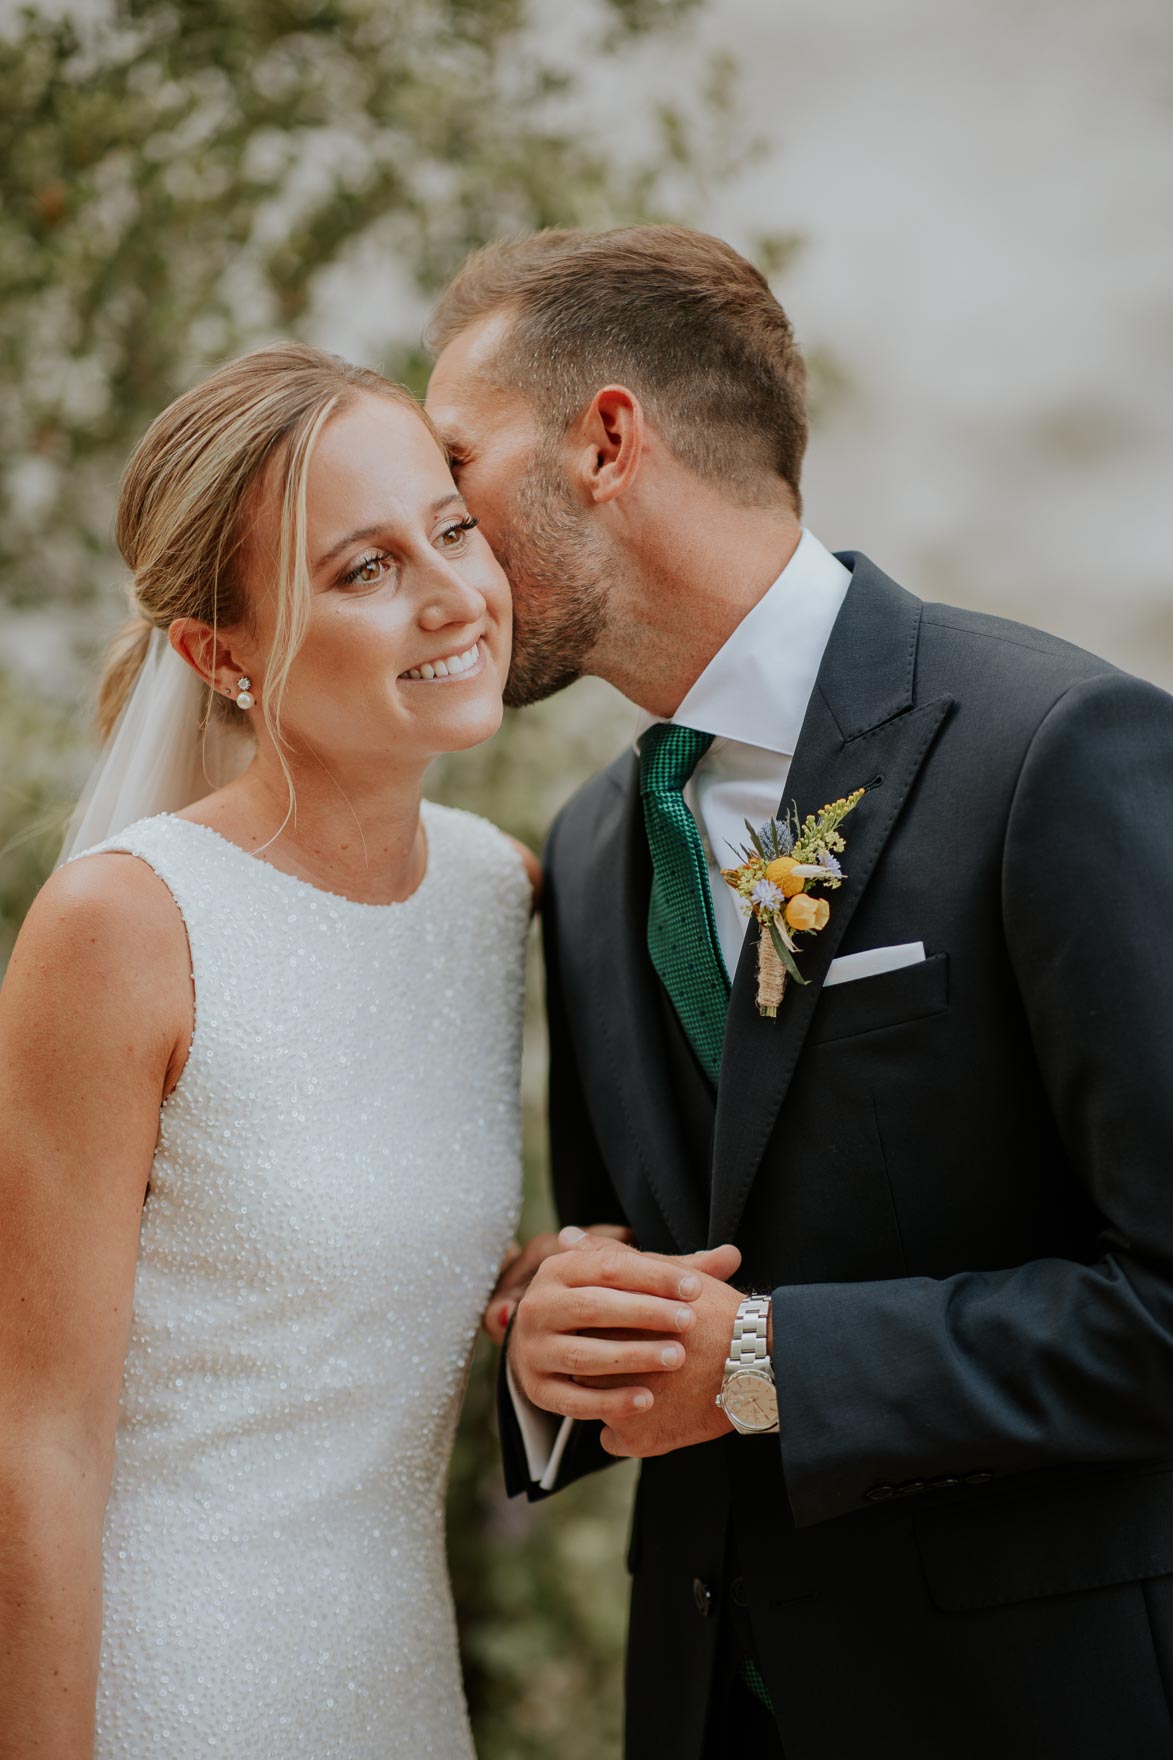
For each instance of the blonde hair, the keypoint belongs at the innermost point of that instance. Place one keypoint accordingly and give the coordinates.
(182, 512)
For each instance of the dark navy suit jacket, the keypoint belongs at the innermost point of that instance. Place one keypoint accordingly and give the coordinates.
(957, 1180)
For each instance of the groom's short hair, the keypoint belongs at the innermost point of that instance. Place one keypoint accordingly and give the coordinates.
(679, 317)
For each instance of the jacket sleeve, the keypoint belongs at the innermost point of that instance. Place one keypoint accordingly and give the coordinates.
(894, 1383)
(583, 1194)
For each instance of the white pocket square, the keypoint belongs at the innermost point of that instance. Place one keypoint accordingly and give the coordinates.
(873, 961)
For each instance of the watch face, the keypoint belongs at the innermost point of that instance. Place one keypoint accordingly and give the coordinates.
(750, 1399)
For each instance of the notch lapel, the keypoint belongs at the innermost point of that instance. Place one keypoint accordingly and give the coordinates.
(646, 1153)
(862, 724)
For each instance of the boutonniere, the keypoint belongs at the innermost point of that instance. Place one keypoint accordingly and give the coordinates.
(782, 862)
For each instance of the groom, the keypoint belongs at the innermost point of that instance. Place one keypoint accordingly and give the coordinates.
(933, 1515)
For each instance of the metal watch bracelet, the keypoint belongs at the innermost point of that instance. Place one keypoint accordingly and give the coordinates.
(750, 1347)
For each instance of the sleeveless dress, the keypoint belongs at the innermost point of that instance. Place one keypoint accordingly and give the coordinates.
(336, 1179)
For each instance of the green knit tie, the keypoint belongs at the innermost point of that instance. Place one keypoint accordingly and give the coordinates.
(682, 931)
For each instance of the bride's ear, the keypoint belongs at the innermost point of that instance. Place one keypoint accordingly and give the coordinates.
(212, 657)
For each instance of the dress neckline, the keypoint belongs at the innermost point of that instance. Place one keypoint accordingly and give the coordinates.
(335, 898)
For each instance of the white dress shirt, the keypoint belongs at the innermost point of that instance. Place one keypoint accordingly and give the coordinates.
(752, 696)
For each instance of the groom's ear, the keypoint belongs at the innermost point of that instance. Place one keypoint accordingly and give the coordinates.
(613, 437)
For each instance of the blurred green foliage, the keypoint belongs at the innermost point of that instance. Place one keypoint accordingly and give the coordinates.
(179, 179)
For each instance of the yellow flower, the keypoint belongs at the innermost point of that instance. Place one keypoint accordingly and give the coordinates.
(779, 872)
(804, 912)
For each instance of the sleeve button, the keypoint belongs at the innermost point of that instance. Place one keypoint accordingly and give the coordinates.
(880, 1493)
(978, 1478)
(702, 1597)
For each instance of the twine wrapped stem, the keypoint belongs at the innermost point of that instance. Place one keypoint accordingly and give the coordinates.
(771, 975)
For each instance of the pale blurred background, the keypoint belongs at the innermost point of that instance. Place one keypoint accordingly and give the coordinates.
(965, 208)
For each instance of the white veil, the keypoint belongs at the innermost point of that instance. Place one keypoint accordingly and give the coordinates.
(156, 760)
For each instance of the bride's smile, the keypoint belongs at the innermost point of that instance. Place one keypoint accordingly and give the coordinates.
(456, 666)
(405, 592)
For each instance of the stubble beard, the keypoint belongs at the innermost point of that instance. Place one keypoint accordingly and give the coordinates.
(559, 590)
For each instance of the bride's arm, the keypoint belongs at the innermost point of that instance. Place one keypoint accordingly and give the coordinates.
(533, 868)
(92, 1015)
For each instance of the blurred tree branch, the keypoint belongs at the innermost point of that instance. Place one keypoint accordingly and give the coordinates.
(177, 175)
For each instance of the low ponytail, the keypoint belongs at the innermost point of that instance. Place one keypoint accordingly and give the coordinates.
(121, 666)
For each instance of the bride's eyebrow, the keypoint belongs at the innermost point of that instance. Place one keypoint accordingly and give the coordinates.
(361, 533)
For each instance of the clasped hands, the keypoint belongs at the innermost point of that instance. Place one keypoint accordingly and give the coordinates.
(635, 1340)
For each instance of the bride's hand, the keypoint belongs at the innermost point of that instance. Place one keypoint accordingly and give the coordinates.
(518, 1267)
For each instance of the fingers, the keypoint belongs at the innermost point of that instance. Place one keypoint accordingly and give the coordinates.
(514, 1279)
(554, 1393)
(591, 1260)
(604, 1381)
(496, 1318)
(518, 1268)
(575, 1355)
(621, 1310)
(719, 1262)
(523, 1265)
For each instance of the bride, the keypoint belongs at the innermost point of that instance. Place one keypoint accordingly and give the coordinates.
(259, 1047)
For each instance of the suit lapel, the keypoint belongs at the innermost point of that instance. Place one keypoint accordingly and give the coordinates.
(647, 1153)
(862, 727)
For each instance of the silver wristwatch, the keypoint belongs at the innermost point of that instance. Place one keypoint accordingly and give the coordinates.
(748, 1396)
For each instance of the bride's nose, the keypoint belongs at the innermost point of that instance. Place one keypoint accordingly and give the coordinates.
(450, 598)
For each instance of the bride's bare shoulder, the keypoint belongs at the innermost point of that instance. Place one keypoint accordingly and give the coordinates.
(106, 925)
(96, 1005)
(111, 893)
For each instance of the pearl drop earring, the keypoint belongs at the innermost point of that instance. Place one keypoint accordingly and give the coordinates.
(245, 699)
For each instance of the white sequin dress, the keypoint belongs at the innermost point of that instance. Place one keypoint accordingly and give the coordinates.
(336, 1179)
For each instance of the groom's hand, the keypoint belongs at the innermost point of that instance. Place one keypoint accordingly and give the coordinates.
(517, 1273)
(601, 1309)
(685, 1410)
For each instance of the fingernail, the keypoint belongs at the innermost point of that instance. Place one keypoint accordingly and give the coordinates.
(570, 1237)
(642, 1401)
(685, 1318)
(671, 1355)
(503, 1315)
(689, 1284)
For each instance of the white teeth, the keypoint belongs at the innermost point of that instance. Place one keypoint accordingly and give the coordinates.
(450, 668)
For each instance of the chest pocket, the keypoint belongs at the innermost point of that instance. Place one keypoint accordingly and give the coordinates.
(889, 999)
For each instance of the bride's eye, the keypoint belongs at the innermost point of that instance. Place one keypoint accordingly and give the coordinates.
(453, 536)
(369, 571)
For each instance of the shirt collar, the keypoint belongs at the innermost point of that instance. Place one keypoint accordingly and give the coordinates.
(756, 687)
